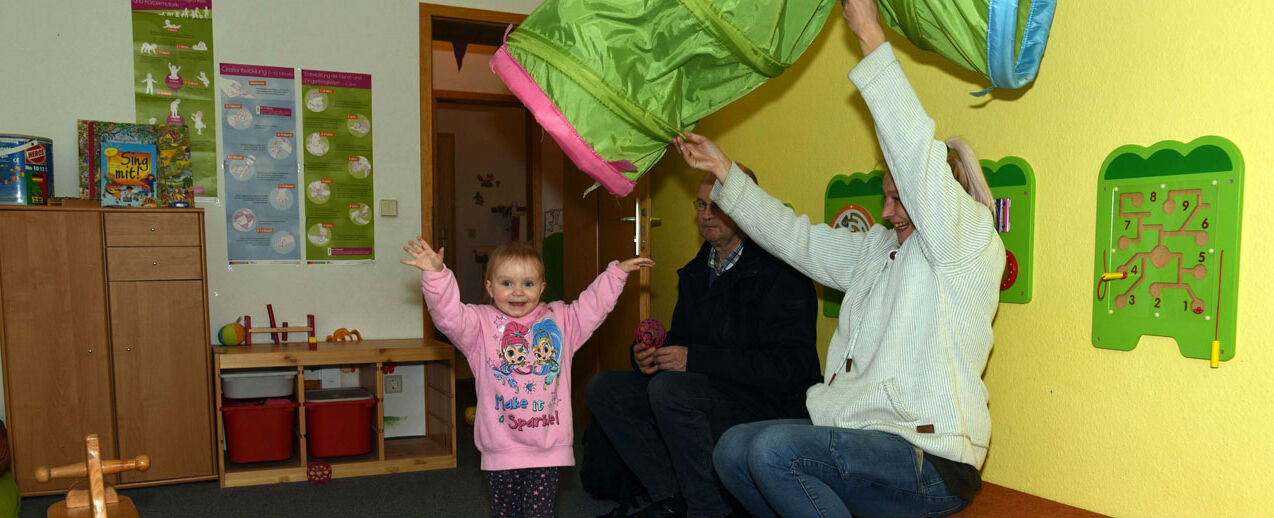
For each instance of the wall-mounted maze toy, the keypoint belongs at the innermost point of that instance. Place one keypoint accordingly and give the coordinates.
(855, 202)
(1167, 248)
(1012, 183)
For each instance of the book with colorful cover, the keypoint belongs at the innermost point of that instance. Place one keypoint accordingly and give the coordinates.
(175, 179)
(90, 136)
(129, 174)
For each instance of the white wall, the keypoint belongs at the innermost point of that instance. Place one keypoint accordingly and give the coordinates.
(66, 60)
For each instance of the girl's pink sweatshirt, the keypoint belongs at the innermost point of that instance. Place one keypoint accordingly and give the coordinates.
(522, 366)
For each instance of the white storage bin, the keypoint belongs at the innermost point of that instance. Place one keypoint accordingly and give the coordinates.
(258, 383)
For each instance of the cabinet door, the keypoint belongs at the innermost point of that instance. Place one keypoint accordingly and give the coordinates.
(162, 400)
(56, 361)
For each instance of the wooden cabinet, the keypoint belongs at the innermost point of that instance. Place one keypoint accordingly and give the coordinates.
(437, 450)
(161, 365)
(103, 329)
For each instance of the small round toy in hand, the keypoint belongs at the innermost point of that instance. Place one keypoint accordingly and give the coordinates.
(650, 332)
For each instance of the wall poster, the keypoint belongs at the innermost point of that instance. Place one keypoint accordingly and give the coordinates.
(337, 133)
(173, 73)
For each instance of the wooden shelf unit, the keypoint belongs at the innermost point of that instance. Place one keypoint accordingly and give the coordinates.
(104, 330)
(437, 450)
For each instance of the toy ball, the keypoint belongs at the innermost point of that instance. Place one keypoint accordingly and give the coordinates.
(232, 334)
(470, 413)
(319, 472)
(650, 332)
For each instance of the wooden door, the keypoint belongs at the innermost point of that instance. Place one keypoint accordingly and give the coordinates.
(428, 15)
(598, 229)
(616, 233)
(444, 221)
(591, 237)
(161, 378)
(56, 358)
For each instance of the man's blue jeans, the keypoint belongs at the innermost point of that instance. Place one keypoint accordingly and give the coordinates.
(793, 468)
(664, 427)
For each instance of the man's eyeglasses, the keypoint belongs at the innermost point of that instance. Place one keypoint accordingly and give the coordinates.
(704, 206)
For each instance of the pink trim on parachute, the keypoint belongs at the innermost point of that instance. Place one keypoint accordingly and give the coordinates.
(546, 113)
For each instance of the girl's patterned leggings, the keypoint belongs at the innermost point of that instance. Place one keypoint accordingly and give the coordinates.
(522, 493)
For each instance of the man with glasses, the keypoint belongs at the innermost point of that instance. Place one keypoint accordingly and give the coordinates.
(741, 348)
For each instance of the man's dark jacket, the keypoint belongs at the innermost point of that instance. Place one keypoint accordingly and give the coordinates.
(752, 332)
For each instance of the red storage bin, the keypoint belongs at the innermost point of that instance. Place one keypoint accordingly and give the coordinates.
(258, 432)
(338, 422)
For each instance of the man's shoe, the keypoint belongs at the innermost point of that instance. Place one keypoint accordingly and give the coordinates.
(674, 507)
(620, 511)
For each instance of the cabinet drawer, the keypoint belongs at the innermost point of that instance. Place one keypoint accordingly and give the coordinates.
(153, 263)
(152, 229)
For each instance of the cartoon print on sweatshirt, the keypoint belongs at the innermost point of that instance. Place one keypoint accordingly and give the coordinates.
(548, 350)
(512, 355)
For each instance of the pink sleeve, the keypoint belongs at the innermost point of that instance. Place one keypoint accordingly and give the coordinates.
(460, 322)
(587, 313)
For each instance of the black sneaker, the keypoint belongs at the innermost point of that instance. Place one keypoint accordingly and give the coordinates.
(620, 511)
(674, 507)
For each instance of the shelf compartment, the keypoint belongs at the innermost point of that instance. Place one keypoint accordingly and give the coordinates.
(395, 455)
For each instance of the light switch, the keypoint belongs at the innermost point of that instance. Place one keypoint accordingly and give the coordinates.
(388, 207)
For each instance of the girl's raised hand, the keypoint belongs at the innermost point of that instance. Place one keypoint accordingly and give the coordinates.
(422, 256)
(631, 265)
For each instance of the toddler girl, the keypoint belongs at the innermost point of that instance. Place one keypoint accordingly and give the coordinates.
(520, 352)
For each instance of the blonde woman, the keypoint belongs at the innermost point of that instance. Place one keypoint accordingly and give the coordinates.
(899, 425)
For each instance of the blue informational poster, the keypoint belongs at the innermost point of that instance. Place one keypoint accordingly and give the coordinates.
(258, 117)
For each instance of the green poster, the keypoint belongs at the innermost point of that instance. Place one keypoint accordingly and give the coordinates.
(337, 128)
(173, 73)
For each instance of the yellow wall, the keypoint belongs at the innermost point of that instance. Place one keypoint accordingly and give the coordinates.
(1140, 433)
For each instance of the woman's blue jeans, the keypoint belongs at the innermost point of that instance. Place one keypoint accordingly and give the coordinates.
(792, 468)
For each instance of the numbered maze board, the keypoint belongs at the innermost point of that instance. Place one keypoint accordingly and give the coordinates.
(1167, 246)
(855, 202)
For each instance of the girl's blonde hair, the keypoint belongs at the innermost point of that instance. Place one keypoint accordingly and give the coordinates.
(968, 171)
(513, 251)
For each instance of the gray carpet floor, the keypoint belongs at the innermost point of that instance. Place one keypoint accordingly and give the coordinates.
(460, 492)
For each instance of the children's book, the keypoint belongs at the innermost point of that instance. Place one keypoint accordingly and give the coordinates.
(175, 181)
(129, 174)
(91, 135)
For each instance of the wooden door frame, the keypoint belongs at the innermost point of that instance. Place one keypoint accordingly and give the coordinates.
(428, 105)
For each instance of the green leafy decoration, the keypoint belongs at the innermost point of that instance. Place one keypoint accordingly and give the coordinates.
(1203, 159)
(840, 188)
(1008, 175)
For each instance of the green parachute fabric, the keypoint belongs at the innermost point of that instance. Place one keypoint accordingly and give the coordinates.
(614, 81)
(1001, 39)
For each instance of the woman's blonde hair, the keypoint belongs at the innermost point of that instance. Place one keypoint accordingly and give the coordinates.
(513, 251)
(968, 171)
